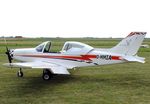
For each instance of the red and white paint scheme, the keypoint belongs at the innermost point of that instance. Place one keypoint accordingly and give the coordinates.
(75, 54)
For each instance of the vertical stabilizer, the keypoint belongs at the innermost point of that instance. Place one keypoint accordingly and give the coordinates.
(129, 45)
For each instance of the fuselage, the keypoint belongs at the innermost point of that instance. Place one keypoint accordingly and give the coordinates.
(94, 57)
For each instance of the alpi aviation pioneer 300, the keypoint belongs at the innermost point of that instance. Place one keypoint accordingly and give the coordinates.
(75, 54)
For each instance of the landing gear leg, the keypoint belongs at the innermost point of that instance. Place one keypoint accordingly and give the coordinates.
(20, 73)
(47, 75)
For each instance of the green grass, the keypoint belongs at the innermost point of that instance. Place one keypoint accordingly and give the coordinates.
(127, 83)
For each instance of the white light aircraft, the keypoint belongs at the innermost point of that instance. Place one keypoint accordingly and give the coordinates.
(75, 54)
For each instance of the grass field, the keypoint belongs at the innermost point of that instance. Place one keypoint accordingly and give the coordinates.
(127, 83)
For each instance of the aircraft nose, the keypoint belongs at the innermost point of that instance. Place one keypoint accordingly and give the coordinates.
(11, 53)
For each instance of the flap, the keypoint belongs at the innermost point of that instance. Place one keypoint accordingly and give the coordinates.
(59, 70)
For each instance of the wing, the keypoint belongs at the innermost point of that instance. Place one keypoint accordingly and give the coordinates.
(55, 69)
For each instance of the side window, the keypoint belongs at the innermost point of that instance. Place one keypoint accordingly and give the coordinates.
(67, 47)
(47, 47)
(40, 48)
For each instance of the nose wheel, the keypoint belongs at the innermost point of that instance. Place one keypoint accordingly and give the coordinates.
(47, 75)
(20, 73)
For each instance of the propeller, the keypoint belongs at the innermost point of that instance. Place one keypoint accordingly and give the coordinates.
(8, 52)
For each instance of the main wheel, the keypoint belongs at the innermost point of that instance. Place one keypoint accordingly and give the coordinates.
(20, 74)
(47, 75)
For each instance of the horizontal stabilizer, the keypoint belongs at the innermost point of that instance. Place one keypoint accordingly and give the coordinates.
(135, 58)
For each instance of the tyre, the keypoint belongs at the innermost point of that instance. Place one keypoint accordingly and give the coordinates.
(47, 75)
(20, 74)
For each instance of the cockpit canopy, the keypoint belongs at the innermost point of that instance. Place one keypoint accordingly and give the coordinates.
(44, 47)
(71, 47)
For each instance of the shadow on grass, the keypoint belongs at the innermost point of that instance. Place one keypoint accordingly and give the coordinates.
(35, 85)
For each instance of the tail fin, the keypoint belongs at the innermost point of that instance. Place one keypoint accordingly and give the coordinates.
(129, 45)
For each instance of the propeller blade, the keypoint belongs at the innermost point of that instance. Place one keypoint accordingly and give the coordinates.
(8, 52)
(8, 55)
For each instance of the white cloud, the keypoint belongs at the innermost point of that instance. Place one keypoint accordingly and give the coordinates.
(67, 18)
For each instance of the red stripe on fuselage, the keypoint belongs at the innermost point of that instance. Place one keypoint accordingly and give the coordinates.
(82, 57)
(115, 58)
